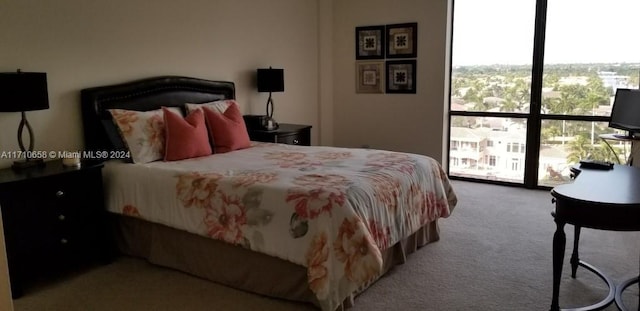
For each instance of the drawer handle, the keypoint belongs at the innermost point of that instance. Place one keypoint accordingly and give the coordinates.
(61, 217)
(296, 142)
(64, 241)
(59, 193)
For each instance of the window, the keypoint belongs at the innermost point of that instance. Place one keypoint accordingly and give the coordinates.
(527, 73)
(515, 164)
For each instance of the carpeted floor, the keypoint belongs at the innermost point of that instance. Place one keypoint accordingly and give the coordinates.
(494, 254)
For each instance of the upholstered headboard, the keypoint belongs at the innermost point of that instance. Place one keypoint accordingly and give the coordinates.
(100, 133)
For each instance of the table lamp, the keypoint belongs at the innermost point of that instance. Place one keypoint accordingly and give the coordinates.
(20, 92)
(270, 80)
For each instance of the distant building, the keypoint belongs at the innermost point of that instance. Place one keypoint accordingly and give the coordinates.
(581, 80)
(613, 80)
(457, 104)
(499, 153)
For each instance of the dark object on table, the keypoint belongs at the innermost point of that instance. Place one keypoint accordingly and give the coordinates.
(596, 164)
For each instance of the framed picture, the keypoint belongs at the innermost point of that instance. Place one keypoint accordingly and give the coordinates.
(369, 77)
(402, 40)
(401, 76)
(370, 42)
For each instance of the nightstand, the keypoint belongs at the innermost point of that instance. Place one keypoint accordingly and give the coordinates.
(54, 220)
(292, 134)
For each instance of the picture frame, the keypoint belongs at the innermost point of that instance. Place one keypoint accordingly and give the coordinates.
(402, 40)
(370, 42)
(370, 77)
(401, 76)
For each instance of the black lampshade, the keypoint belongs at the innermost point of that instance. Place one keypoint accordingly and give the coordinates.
(23, 91)
(270, 80)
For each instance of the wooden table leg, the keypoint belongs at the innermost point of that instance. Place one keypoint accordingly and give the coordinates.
(575, 258)
(559, 243)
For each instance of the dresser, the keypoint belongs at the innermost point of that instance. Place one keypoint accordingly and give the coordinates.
(291, 134)
(54, 220)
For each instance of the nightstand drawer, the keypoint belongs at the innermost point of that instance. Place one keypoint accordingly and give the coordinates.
(293, 139)
(292, 134)
(62, 191)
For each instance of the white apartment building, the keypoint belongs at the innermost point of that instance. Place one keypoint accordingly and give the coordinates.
(499, 153)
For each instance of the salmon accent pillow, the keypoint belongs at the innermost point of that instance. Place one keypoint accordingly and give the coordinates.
(185, 137)
(227, 129)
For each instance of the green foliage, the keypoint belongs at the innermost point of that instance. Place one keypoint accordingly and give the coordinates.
(512, 83)
(580, 148)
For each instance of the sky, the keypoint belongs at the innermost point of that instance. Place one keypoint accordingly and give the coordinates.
(578, 31)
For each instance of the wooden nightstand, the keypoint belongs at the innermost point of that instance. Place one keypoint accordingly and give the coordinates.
(54, 219)
(292, 134)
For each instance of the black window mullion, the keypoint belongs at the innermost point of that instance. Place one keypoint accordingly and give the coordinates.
(534, 123)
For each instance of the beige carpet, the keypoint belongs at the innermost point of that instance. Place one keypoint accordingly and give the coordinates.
(494, 254)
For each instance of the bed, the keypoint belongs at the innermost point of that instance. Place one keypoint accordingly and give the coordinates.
(324, 222)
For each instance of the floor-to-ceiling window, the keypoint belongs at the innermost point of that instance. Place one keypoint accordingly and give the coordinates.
(532, 85)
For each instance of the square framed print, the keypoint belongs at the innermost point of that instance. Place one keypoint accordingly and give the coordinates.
(370, 42)
(402, 40)
(401, 76)
(369, 77)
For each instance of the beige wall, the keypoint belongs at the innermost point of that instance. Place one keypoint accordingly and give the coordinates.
(82, 44)
(325, 70)
(401, 122)
(89, 43)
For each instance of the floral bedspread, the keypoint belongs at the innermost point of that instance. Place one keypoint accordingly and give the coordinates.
(329, 209)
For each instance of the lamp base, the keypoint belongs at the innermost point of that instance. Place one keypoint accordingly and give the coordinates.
(21, 165)
(270, 124)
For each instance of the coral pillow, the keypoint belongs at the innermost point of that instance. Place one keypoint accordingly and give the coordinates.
(185, 138)
(227, 129)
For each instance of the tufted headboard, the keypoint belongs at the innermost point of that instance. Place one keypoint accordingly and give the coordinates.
(100, 133)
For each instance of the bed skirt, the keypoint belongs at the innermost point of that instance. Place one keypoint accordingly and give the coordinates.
(235, 266)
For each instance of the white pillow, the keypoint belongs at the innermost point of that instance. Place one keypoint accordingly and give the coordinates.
(219, 106)
(142, 132)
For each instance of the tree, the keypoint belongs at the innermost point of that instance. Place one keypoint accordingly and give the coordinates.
(509, 106)
(634, 80)
(548, 132)
(579, 149)
(601, 152)
(472, 96)
(481, 106)
(597, 94)
(551, 80)
(562, 105)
